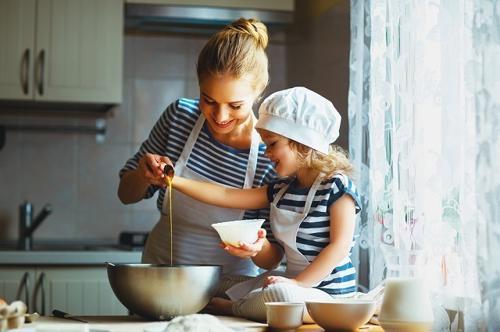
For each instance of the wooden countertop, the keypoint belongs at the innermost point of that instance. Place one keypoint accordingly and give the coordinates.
(136, 324)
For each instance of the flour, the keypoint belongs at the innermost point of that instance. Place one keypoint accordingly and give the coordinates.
(196, 323)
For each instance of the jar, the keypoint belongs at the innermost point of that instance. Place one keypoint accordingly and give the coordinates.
(406, 305)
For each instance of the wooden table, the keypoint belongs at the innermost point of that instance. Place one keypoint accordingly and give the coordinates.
(137, 324)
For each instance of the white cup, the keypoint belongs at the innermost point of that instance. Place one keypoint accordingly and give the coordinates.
(284, 315)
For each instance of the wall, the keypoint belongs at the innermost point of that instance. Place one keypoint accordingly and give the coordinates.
(318, 46)
(318, 53)
(79, 176)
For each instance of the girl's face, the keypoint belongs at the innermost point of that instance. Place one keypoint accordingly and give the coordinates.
(226, 102)
(279, 151)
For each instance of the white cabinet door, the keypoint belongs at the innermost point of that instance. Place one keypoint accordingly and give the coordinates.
(77, 290)
(17, 284)
(79, 50)
(17, 41)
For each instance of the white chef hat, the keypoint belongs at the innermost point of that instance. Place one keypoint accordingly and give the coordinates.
(301, 115)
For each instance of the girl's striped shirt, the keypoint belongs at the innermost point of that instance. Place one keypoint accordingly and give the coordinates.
(209, 158)
(314, 231)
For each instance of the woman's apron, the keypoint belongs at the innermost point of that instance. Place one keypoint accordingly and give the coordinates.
(285, 225)
(195, 241)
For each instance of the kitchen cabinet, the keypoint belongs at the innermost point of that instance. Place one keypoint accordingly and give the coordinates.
(61, 50)
(80, 290)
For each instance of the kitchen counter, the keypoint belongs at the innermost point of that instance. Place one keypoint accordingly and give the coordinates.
(40, 257)
(136, 324)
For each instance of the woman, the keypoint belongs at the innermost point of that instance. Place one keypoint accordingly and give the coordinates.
(211, 139)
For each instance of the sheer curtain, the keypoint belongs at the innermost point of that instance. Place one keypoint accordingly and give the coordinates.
(424, 114)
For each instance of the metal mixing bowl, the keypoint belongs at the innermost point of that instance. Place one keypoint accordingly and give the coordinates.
(163, 291)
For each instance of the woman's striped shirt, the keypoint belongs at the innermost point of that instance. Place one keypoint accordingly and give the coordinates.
(209, 158)
(314, 231)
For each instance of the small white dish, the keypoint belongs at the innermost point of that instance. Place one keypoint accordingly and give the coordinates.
(283, 316)
(234, 232)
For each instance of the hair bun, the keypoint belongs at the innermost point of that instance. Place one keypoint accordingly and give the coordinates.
(253, 27)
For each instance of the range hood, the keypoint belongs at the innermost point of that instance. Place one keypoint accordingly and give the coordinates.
(196, 19)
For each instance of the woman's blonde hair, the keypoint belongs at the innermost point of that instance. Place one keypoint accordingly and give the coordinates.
(336, 161)
(238, 49)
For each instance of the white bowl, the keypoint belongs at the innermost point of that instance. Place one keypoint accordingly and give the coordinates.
(342, 314)
(234, 232)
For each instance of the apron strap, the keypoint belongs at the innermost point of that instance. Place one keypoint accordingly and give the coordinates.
(188, 146)
(253, 156)
(310, 194)
(186, 152)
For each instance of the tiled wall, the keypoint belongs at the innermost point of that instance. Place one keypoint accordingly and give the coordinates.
(79, 176)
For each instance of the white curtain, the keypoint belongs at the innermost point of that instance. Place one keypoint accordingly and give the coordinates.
(424, 117)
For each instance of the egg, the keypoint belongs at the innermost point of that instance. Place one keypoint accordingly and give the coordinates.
(17, 308)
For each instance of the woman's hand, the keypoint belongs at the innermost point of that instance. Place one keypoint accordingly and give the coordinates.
(278, 279)
(151, 168)
(246, 250)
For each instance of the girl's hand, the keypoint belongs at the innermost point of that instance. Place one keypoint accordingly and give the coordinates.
(277, 279)
(246, 250)
(151, 168)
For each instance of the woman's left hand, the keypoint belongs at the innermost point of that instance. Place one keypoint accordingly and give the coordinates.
(278, 279)
(247, 250)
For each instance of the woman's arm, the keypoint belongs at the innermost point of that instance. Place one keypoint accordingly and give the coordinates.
(248, 199)
(342, 225)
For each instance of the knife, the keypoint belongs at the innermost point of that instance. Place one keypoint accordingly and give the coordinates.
(62, 314)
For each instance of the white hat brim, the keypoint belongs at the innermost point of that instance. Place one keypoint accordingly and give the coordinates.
(292, 130)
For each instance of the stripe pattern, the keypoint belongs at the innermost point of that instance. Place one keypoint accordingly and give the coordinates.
(209, 158)
(314, 232)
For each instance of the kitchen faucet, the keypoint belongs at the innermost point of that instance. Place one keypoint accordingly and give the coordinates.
(27, 224)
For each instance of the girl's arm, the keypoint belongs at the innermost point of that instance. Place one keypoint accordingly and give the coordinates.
(342, 225)
(247, 199)
(263, 253)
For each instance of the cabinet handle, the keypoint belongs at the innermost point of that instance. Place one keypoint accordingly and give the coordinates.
(40, 285)
(41, 70)
(24, 285)
(25, 69)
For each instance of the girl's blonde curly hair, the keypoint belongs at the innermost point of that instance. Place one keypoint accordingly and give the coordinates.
(336, 161)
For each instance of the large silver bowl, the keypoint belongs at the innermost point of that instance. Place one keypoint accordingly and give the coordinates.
(163, 291)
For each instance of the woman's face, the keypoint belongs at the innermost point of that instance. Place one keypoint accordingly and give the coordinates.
(279, 151)
(226, 102)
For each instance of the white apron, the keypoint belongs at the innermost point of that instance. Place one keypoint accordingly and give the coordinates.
(285, 225)
(195, 241)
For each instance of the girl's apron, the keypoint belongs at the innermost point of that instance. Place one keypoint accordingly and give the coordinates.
(285, 225)
(195, 241)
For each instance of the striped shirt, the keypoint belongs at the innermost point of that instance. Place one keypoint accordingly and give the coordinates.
(209, 158)
(314, 231)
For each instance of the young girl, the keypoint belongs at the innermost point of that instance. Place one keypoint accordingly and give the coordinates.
(313, 207)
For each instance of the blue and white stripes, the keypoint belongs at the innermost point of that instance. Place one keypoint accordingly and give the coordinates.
(314, 232)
